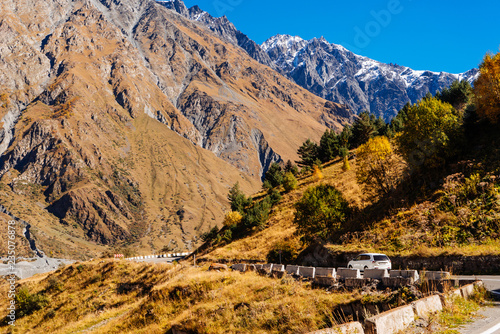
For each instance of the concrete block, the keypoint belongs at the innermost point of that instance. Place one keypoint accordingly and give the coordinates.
(308, 272)
(239, 267)
(467, 291)
(349, 328)
(258, 266)
(427, 306)
(343, 273)
(405, 273)
(435, 275)
(324, 281)
(268, 267)
(292, 270)
(329, 272)
(278, 267)
(375, 273)
(396, 282)
(355, 283)
(169, 255)
(394, 321)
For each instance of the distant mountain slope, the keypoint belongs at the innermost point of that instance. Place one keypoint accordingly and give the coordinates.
(125, 124)
(331, 71)
(335, 73)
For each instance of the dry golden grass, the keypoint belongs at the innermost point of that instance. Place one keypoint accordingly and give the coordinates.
(280, 225)
(123, 297)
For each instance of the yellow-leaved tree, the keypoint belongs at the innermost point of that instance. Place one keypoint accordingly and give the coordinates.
(377, 165)
(487, 88)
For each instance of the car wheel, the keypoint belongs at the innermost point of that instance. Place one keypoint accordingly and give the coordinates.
(365, 268)
(350, 267)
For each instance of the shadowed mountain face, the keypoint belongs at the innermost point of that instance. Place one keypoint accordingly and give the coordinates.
(125, 124)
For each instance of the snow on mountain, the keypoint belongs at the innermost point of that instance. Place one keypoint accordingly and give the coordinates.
(335, 73)
(330, 70)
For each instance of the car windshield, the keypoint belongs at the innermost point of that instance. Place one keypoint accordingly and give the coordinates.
(380, 258)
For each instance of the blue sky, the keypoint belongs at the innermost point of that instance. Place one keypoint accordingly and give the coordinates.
(438, 35)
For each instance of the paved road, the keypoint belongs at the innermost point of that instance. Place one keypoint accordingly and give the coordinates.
(25, 269)
(489, 321)
(160, 260)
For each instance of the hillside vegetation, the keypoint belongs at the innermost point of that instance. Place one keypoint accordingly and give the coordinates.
(125, 297)
(425, 184)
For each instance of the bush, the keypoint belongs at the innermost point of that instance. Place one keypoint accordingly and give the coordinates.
(207, 236)
(232, 218)
(274, 175)
(257, 215)
(288, 249)
(321, 212)
(289, 182)
(429, 128)
(28, 303)
(377, 166)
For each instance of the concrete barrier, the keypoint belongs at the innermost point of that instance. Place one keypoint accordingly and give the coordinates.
(375, 273)
(427, 306)
(324, 281)
(467, 291)
(309, 272)
(328, 272)
(435, 275)
(278, 267)
(405, 274)
(292, 270)
(343, 273)
(349, 328)
(268, 267)
(355, 283)
(396, 282)
(239, 267)
(390, 322)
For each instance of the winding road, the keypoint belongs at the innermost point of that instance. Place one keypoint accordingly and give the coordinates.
(489, 321)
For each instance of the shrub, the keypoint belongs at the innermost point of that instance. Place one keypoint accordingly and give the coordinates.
(232, 218)
(321, 212)
(207, 236)
(28, 303)
(289, 182)
(289, 251)
(429, 128)
(377, 166)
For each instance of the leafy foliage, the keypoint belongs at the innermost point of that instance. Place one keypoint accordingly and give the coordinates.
(289, 182)
(429, 129)
(320, 212)
(377, 166)
(487, 88)
(232, 218)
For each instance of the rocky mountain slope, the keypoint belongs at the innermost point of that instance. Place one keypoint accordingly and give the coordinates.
(124, 123)
(335, 73)
(331, 71)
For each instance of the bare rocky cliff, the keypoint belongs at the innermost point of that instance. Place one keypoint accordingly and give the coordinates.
(117, 115)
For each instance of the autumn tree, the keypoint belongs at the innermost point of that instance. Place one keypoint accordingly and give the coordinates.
(487, 88)
(377, 166)
(429, 128)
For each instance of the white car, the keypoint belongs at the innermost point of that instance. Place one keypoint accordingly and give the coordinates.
(370, 261)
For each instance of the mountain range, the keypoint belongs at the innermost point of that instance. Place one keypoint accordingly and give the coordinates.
(330, 70)
(124, 124)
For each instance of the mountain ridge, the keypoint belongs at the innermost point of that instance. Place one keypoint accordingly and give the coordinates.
(330, 70)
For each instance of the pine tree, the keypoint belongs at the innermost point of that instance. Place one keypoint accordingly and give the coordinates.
(308, 153)
(329, 146)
